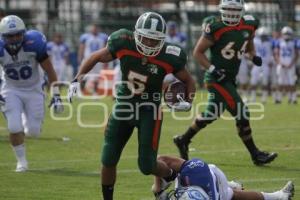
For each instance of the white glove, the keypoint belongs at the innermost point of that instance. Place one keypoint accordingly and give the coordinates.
(56, 102)
(73, 90)
(182, 105)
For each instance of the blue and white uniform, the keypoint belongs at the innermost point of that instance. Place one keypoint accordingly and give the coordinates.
(243, 75)
(93, 43)
(58, 54)
(22, 84)
(210, 178)
(287, 53)
(265, 72)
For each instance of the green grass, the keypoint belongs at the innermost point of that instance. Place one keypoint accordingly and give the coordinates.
(70, 169)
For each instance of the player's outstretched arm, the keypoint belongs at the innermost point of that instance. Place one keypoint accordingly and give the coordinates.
(103, 55)
(48, 68)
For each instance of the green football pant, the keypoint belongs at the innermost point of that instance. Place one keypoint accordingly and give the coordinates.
(119, 129)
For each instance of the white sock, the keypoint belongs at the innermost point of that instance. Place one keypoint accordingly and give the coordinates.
(264, 96)
(20, 153)
(253, 95)
(279, 96)
(294, 96)
(271, 196)
(290, 96)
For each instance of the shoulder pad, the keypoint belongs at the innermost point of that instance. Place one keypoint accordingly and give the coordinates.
(211, 24)
(251, 20)
(34, 38)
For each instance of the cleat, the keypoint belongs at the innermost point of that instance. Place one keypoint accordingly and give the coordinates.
(287, 192)
(182, 146)
(235, 185)
(22, 166)
(263, 157)
(161, 194)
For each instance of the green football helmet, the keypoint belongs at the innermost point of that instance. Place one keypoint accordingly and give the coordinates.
(150, 26)
(231, 11)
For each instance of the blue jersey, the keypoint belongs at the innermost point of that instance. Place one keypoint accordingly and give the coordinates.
(196, 172)
(22, 71)
(58, 53)
(287, 50)
(92, 42)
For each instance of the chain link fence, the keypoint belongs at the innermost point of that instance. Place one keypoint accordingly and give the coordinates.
(73, 17)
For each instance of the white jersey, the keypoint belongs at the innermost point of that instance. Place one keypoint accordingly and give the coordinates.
(92, 43)
(287, 51)
(22, 71)
(58, 53)
(264, 50)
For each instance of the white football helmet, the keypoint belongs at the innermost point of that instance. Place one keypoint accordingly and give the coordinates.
(287, 33)
(231, 11)
(150, 25)
(191, 193)
(9, 26)
(263, 31)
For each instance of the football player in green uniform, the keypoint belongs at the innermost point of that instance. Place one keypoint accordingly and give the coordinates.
(145, 60)
(227, 38)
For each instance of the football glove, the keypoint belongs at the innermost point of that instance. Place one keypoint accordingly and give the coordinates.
(182, 105)
(257, 60)
(2, 101)
(219, 74)
(56, 102)
(73, 90)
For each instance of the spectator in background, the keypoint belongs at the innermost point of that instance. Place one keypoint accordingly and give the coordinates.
(89, 43)
(243, 78)
(177, 38)
(58, 51)
(174, 36)
(286, 56)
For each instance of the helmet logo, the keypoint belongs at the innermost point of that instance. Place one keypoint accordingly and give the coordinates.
(154, 23)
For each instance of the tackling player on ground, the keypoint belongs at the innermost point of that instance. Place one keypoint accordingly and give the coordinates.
(228, 39)
(145, 60)
(198, 180)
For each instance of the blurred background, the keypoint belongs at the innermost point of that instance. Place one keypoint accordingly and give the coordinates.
(72, 18)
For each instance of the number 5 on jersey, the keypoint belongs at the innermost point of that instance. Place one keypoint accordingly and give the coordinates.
(137, 82)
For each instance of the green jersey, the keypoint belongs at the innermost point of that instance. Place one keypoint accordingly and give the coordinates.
(230, 43)
(142, 77)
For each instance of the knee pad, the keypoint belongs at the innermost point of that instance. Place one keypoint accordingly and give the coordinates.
(32, 131)
(146, 165)
(244, 129)
(201, 122)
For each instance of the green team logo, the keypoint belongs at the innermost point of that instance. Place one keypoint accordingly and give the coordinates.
(152, 68)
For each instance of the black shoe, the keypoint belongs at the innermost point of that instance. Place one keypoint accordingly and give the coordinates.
(182, 146)
(263, 157)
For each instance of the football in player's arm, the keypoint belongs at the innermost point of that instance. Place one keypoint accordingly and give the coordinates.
(21, 52)
(227, 37)
(145, 60)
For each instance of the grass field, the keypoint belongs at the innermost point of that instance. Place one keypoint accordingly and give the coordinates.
(69, 169)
